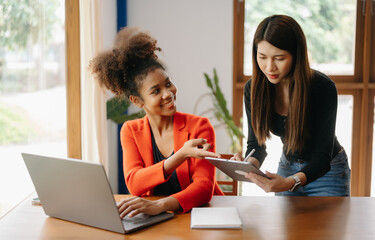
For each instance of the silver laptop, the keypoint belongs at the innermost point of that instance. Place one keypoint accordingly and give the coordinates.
(79, 191)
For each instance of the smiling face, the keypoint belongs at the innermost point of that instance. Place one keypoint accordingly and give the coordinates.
(158, 94)
(275, 63)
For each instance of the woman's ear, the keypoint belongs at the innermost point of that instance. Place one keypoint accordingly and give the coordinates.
(137, 101)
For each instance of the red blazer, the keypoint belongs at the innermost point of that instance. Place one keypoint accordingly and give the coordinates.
(196, 176)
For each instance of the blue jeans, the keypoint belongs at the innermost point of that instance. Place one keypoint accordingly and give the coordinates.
(336, 182)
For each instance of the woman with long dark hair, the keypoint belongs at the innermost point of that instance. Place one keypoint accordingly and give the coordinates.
(298, 104)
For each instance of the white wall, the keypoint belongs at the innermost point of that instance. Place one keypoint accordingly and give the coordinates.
(109, 29)
(195, 36)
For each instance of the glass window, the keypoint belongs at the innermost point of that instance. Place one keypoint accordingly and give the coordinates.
(32, 90)
(344, 125)
(329, 27)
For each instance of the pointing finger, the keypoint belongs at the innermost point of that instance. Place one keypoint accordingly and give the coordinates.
(198, 142)
(206, 146)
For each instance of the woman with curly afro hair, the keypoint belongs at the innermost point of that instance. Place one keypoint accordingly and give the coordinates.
(163, 151)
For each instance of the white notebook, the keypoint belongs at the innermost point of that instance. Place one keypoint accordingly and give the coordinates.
(215, 217)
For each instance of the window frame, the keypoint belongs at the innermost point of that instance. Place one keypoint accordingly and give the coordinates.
(73, 79)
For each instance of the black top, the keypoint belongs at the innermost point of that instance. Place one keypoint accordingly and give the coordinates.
(322, 144)
(172, 185)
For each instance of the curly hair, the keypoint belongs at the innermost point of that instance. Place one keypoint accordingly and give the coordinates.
(122, 69)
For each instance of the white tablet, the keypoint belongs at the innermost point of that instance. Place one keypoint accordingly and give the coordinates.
(235, 169)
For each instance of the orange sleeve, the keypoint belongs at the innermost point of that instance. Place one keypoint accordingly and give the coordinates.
(140, 177)
(202, 173)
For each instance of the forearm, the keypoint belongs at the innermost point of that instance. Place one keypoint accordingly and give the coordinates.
(302, 177)
(290, 181)
(194, 148)
(173, 162)
(201, 187)
(316, 168)
(140, 180)
(169, 204)
(254, 161)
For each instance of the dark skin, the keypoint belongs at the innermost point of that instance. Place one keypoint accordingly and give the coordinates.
(158, 100)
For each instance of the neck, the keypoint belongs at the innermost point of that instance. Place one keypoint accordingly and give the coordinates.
(281, 101)
(282, 89)
(160, 124)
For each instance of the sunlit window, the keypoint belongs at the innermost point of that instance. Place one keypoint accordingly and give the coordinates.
(329, 27)
(32, 90)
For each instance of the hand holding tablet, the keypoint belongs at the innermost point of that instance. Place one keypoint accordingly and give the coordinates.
(249, 155)
(236, 169)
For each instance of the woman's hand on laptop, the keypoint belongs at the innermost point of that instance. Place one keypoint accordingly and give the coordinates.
(135, 205)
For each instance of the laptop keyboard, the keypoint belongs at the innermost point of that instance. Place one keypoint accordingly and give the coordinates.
(136, 219)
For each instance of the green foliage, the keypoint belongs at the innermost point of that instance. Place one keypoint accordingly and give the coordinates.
(117, 111)
(14, 128)
(20, 22)
(222, 114)
(28, 36)
(328, 25)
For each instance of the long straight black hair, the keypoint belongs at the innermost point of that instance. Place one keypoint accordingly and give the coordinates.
(284, 33)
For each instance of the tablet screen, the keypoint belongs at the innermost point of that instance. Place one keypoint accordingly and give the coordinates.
(235, 169)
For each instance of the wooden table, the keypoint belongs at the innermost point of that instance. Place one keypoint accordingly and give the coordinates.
(263, 218)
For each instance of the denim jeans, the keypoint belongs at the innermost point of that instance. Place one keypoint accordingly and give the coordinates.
(336, 182)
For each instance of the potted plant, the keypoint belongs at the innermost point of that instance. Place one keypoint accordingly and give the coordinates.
(221, 112)
(117, 111)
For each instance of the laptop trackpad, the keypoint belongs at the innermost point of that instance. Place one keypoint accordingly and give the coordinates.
(144, 220)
